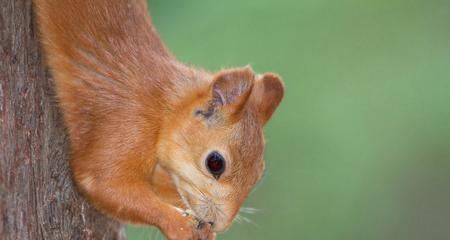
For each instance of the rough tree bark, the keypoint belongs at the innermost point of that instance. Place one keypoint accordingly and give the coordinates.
(37, 197)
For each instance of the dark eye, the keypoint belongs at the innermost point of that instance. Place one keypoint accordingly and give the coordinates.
(215, 164)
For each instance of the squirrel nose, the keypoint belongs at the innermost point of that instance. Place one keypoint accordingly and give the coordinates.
(201, 224)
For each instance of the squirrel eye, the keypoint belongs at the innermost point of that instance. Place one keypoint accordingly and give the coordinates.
(215, 164)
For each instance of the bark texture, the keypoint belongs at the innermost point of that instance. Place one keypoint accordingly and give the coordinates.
(37, 197)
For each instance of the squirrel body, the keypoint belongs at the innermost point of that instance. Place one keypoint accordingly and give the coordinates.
(149, 135)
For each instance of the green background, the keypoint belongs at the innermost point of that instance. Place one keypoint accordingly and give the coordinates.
(360, 146)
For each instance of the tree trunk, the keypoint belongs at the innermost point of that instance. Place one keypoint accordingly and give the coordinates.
(37, 197)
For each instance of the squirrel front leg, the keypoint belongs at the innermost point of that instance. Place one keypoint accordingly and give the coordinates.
(128, 196)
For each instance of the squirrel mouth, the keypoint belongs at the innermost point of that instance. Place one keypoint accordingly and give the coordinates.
(188, 211)
(208, 208)
(190, 201)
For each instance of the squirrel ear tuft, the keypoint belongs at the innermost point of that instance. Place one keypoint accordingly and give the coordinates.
(267, 94)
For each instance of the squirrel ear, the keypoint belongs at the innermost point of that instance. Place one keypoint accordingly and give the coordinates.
(267, 94)
(232, 87)
(230, 90)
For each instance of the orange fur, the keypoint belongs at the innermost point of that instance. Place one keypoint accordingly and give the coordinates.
(141, 123)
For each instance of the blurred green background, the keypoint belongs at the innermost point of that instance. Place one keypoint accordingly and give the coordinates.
(360, 147)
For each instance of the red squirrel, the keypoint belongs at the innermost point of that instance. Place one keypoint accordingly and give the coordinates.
(153, 141)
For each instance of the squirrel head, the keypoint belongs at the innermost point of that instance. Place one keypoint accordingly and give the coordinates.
(213, 145)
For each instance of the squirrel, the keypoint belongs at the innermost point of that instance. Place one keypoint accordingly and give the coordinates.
(153, 141)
